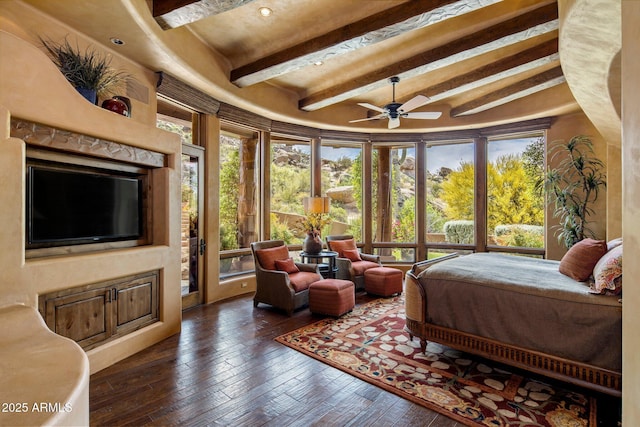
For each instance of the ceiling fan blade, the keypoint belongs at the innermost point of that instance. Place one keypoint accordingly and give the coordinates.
(379, 116)
(394, 123)
(423, 115)
(371, 107)
(413, 103)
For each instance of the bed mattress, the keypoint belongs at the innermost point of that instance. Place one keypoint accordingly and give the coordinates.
(525, 302)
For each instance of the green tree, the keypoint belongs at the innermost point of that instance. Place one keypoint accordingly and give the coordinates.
(511, 194)
(458, 192)
(229, 182)
(404, 229)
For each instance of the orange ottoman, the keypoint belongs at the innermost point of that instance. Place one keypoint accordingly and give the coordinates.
(383, 281)
(333, 297)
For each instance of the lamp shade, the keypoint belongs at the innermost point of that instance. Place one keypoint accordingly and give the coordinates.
(316, 204)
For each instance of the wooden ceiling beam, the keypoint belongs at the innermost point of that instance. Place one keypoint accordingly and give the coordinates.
(510, 93)
(520, 62)
(373, 29)
(175, 13)
(528, 25)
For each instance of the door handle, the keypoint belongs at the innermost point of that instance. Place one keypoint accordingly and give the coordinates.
(203, 246)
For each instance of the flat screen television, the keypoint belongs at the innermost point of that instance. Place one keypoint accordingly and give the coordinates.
(67, 207)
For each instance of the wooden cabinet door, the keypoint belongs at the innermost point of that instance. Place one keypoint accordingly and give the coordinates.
(96, 313)
(85, 317)
(136, 303)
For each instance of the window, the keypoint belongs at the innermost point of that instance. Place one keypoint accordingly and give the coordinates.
(342, 182)
(239, 220)
(450, 193)
(515, 209)
(394, 200)
(290, 183)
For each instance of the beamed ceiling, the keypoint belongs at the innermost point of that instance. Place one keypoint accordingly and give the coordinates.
(312, 62)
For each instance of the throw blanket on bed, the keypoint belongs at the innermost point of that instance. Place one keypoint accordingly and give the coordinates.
(525, 302)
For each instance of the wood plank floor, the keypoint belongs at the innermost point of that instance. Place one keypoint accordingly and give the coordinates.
(224, 368)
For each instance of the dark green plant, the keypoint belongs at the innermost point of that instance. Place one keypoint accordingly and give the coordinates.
(87, 69)
(573, 185)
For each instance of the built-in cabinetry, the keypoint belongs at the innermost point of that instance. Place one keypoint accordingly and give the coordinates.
(96, 313)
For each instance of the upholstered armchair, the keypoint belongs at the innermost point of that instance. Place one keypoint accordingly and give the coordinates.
(280, 281)
(350, 262)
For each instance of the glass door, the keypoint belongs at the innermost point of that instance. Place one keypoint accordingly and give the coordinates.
(193, 245)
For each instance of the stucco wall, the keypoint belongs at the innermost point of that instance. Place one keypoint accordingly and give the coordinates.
(561, 131)
(631, 210)
(31, 88)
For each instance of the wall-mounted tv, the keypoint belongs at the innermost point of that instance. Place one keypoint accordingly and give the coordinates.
(67, 206)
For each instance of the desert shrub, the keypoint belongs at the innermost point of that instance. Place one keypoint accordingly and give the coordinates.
(459, 231)
(522, 235)
(280, 231)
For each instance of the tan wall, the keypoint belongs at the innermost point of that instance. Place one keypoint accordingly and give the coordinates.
(561, 131)
(32, 88)
(631, 210)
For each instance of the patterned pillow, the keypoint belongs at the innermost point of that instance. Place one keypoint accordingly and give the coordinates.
(613, 243)
(287, 265)
(352, 254)
(607, 273)
(580, 259)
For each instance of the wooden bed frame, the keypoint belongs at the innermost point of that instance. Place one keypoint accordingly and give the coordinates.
(581, 374)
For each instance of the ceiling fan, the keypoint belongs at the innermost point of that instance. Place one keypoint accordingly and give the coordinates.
(394, 110)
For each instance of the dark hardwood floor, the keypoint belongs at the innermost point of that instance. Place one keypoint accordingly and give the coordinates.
(224, 368)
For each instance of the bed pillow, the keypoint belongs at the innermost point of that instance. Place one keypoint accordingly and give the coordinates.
(614, 243)
(581, 258)
(607, 273)
(352, 254)
(287, 265)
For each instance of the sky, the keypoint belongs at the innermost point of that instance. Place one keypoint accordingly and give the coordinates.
(450, 155)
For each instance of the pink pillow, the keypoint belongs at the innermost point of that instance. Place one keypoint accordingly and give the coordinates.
(580, 259)
(287, 265)
(352, 254)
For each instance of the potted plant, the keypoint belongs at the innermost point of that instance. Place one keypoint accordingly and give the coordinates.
(573, 185)
(312, 224)
(89, 71)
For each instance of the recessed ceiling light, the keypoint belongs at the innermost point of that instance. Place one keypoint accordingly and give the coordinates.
(265, 11)
(117, 41)
(318, 63)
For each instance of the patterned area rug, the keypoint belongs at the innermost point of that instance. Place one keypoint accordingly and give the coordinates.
(371, 344)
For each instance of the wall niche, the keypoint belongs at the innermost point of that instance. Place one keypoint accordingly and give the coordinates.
(84, 194)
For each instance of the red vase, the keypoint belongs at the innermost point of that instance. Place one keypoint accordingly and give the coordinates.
(116, 105)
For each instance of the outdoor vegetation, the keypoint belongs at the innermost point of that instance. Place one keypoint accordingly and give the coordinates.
(515, 205)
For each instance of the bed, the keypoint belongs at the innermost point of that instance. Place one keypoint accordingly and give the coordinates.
(519, 311)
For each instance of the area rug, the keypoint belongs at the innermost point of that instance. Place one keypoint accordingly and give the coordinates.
(370, 343)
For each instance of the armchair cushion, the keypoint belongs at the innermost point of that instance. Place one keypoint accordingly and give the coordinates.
(341, 245)
(301, 280)
(286, 265)
(359, 267)
(352, 254)
(267, 257)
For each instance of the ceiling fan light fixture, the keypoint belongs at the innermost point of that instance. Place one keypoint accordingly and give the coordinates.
(265, 11)
(395, 110)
